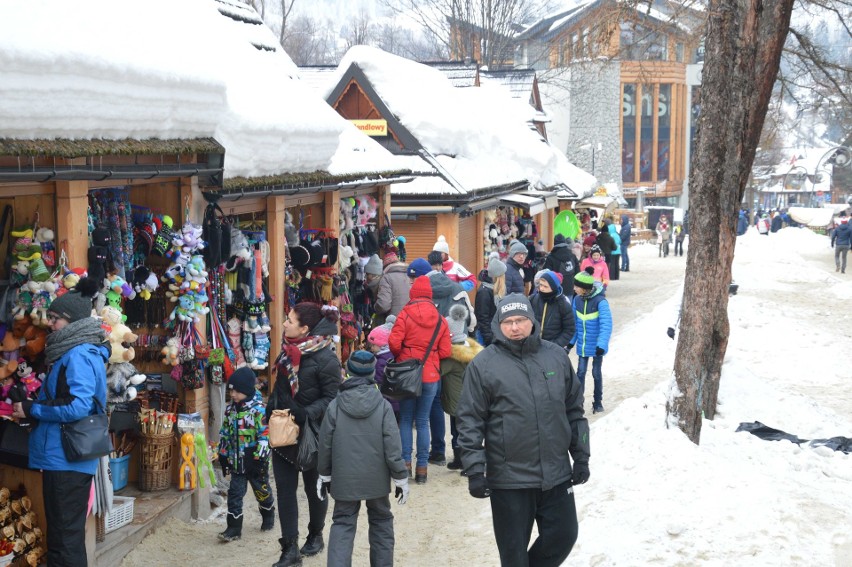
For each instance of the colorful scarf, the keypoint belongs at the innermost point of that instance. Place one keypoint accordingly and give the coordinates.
(291, 357)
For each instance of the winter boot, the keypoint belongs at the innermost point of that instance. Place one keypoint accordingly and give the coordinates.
(420, 475)
(234, 530)
(268, 519)
(455, 464)
(439, 459)
(597, 408)
(313, 544)
(290, 556)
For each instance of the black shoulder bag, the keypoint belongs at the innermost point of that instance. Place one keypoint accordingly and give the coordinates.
(87, 438)
(404, 379)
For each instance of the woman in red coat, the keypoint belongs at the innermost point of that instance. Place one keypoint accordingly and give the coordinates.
(409, 338)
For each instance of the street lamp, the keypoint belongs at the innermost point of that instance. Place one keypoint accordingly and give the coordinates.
(588, 146)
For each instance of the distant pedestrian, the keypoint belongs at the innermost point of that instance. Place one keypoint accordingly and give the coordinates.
(663, 230)
(491, 290)
(679, 236)
(605, 241)
(393, 289)
(453, 269)
(742, 222)
(625, 235)
(841, 240)
(763, 224)
(593, 328)
(599, 267)
(359, 455)
(515, 272)
(615, 257)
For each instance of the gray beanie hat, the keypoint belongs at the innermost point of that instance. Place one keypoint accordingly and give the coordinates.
(496, 268)
(514, 304)
(456, 323)
(77, 303)
(373, 266)
(517, 247)
(362, 363)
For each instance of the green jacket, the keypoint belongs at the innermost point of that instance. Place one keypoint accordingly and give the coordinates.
(452, 373)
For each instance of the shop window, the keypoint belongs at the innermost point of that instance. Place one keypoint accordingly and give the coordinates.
(628, 139)
(646, 143)
(664, 121)
(576, 46)
(639, 43)
(587, 45)
(679, 52)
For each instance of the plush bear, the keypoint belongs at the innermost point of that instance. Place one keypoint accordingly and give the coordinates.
(189, 240)
(119, 334)
(69, 279)
(122, 379)
(170, 352)
(34, 338)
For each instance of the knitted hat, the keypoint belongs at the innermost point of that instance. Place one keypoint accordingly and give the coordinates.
(77, 303)
(559, 239)
(442, 246)
(456, 323)
(496, 268)
(390, 258)
(435, 258)
(517, 248)
(373, 266)
(586, 279)
(380, 335)
(590, 240)
(421, 288)
(418, 267)
(513, 305)
(242, 381)
(554, 282)
(361, 363)
(596, 249)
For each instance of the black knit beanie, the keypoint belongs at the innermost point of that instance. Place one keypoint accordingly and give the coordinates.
(243, 381)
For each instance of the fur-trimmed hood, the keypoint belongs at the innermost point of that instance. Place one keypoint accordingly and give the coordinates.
(465, 352)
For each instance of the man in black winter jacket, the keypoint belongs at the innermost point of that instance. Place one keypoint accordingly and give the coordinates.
(624, 234)
(519, 417)
(605, 241)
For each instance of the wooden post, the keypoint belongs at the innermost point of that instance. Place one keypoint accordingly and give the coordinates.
(448, 225)
(332, 210)
(384, 202)
(72, 203)
(277, 281)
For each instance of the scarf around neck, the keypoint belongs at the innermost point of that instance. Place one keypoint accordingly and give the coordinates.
(291, 356)
(84, 331)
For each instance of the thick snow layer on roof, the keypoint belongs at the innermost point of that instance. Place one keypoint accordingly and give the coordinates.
(482, 136)
(164, 69)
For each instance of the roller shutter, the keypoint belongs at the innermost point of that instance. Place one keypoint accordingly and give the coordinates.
(420, 235)
(470, 246)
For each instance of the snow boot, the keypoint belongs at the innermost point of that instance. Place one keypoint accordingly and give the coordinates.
(313, 544)
(268, 519)
(420, 475)
(455, 464)
(234, 531)
(597, 408)
(438, 459)
(290, 556)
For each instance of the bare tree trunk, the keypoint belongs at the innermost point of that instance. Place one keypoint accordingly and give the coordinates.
(744, 43)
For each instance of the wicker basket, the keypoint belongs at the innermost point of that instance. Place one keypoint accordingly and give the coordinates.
(156, 462)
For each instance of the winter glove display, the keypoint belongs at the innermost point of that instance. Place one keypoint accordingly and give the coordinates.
(323, 486)
(581, 473)
(599, 351)
(226, 467)
(402, 490)
(478, 486)
(670, 332)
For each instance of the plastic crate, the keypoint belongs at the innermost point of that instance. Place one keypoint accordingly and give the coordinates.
(121, 515)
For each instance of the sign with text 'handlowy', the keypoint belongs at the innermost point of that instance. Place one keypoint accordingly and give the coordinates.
(372, 127)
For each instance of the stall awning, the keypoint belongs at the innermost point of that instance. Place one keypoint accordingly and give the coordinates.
(815, 218)
(605, 203)
(533, 204)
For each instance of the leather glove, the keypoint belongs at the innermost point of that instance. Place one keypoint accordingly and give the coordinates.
(670, 332)
(226, 466)
(478, 486)
(599, 351)
(402, 490)
(569, 347)
(323, 486)
(581, 473)
(299, 414)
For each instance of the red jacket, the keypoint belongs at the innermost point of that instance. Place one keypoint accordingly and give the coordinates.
(411, 333)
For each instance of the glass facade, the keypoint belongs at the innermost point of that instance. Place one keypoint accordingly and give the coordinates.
(628, 137)
(647, 115)
(664, 135)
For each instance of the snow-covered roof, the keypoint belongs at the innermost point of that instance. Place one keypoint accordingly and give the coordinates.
(318, 78)
(480, 136)
(161, 69)
(459, 73)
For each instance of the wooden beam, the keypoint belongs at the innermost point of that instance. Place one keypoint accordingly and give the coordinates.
(448, 225)
(277, 280)
(72, 203)
(384, 201)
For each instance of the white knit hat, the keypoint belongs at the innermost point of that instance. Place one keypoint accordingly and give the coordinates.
(442, 246)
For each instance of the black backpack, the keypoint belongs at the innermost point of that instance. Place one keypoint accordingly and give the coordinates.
(216, 232)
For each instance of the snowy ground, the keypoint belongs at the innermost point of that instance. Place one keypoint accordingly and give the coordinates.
(654, 497)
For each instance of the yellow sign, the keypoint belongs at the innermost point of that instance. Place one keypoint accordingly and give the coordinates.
(600, 192)
(372, 127)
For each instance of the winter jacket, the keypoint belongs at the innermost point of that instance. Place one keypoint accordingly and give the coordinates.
(842, 235)
(65, 397)
(601, 269)
(523, 399)
(607, 244)
(485, 308)
(452, 373)
(742, 224)
(459, 274)
(382, 358)
(663, 230)
(679, 233)
(446, 293)
(562, 261)
(514, 277)
(592, 321)
(763, 226)
(558, 324)
(393, 290)
(616, 238)
(244, 433)
(777, 223)
(319, 379)
(412, 332)
(624, 233)
(359, 443)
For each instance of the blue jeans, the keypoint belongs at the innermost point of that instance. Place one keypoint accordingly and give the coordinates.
(597, 363)
(625, 259)
(437, 425)
(416, 411)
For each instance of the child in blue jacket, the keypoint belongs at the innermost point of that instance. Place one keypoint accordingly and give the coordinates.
(593, 328)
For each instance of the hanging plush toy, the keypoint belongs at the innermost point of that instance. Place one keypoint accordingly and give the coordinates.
(170, 352)
(122, 379)
(144, 282)
(119, 335)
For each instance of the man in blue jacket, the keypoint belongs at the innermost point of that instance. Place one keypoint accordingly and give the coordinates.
(74, 388)
(624, 233)
(841, 240)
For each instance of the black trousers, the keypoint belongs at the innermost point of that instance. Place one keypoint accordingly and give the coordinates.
(341, 540)
(286, 483)
(258, 477)
(555, 514)
(66, 501)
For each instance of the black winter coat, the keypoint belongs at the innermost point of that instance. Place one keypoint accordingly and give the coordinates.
(624, 233)
(485, 308)
(514, 279)
(562, 260)
(607, 244)
(558, 324)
